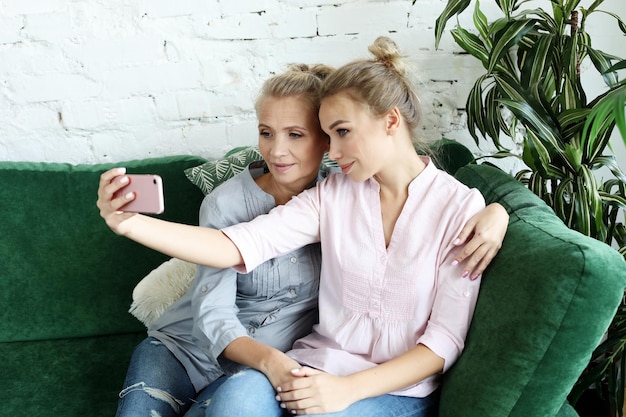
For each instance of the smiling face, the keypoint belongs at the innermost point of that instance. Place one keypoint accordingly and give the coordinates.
(291, 141)
(357, 138)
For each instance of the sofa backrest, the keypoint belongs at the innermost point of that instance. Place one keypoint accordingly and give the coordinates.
(65, 273)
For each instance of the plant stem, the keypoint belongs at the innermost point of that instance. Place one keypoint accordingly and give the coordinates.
(573, 29)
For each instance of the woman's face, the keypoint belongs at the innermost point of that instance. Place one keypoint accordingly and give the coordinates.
(356, 136)
(290, 140)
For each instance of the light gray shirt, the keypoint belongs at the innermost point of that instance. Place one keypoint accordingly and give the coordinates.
(276, 303)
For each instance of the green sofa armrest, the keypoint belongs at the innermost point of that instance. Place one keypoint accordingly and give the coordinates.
(545, 302)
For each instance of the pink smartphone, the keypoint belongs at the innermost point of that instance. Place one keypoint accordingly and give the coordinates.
(148, 189)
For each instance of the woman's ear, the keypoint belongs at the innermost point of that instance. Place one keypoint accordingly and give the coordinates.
(393, 121)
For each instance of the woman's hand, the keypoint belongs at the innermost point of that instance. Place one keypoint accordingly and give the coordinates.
(110, 182)
(273, 363)
(486, 230)
(315, 392)
(280, 371)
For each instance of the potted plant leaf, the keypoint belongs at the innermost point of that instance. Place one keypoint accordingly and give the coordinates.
(531, 91)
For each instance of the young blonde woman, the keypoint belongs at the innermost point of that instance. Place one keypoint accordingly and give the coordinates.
(395, 296)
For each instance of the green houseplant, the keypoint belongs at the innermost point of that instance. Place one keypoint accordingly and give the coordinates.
(532, 92)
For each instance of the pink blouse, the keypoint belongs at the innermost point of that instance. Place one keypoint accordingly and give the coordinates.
(376, 302)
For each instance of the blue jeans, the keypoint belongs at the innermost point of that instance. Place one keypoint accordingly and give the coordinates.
(156, 383)
(250, 394)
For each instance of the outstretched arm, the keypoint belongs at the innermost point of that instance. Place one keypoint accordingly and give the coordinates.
(485, 231)
(195, 244)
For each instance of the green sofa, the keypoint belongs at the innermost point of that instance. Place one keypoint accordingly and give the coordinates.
(66, 335)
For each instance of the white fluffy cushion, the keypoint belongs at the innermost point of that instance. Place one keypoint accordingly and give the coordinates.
(160, 288)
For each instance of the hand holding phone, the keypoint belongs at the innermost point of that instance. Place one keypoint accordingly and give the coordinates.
(148, 190)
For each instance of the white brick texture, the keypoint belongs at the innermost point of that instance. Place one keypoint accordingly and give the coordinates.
(104, 81)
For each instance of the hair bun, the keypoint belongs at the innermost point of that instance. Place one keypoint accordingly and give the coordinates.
(387, 53)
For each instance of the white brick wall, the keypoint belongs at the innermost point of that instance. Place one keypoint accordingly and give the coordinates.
(86, 81)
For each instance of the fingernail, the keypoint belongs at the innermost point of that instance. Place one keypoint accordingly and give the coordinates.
(121, 170)
(277, 398)
(455, 262)
(282, 405)
(128, 196)
(124, 180)
(465, 274)
(279, 389)
(474, 277)
(456, 241)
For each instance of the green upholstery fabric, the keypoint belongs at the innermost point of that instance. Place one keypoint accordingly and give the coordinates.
(567, 410)
(450, 155)
(65, 377)
(51, 230)
(545, 302)
(65, 333)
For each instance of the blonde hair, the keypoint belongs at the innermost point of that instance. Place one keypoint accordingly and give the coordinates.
(299, 80)
(381, 83)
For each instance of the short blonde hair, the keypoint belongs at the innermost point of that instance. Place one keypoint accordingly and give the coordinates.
(300, 80)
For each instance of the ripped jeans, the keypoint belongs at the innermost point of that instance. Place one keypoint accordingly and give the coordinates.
(156, 384)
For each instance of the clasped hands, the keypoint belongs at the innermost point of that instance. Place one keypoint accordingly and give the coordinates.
(312, 391)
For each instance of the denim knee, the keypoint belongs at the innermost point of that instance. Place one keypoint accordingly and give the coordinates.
(155, 383)
(245, 394)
